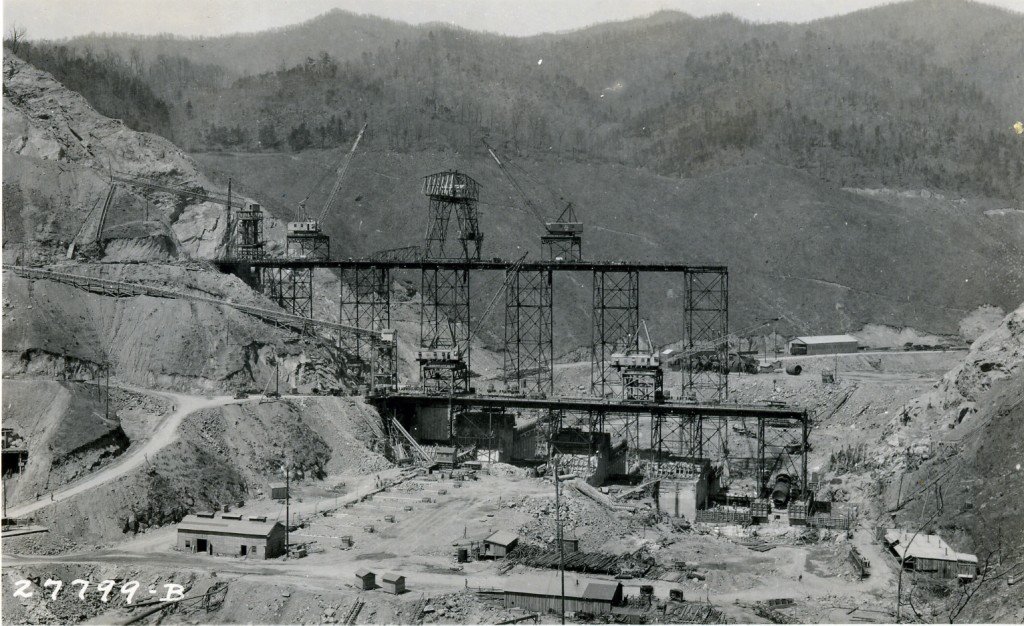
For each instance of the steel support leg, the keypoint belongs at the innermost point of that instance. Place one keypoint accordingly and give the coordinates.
(529, 350)
(616, 299)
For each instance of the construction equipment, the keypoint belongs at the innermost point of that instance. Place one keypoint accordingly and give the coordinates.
(640, 368)
(564, 235)
(304, 238)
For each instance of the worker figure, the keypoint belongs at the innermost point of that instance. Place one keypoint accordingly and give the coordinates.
(51, 496)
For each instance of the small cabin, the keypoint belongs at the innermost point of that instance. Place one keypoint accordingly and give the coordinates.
(365, 579)
(278, 491)
(500, 544)
(393, 583)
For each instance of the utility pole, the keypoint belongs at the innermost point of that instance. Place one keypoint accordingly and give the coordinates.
(558, 534)
(107, 409)
(287, 505)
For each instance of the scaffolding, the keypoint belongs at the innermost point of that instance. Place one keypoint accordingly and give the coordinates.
(246, 243)
(290, 288)
(311, 245)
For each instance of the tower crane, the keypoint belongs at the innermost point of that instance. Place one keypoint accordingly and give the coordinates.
(564, 236)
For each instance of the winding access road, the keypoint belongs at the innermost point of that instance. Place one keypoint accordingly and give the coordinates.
(165, 434)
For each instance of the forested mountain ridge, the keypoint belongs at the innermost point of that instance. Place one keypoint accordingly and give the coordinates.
(918, 94)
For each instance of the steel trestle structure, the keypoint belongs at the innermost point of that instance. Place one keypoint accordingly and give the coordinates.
(616, 306)
(365, 302)
(707, 330)
(529, 349)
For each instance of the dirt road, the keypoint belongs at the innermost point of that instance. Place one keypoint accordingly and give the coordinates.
(165, 434)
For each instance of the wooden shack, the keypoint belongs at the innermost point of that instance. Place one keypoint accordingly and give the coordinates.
(366, 579)
(541, 594)
(499, 544)
(393, 583)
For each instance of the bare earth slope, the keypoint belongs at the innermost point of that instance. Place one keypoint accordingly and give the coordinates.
(57, 153)
(955, 465)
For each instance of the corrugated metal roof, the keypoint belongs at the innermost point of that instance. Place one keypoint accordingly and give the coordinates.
(363, 572)
(575, 587)
(194, 523)
(828, 339)
(924, 547)
(503, 538)
(601, 590)
(392, 578)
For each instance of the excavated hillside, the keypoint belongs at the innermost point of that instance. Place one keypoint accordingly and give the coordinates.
(222, 455)
(149, 456)
(57, 156)
(953, 463)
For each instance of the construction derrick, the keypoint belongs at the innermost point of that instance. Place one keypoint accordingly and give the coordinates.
(706, 379)
(564, 240)
(305, 239)
(529, 351)
(639, 367)
(616, 306)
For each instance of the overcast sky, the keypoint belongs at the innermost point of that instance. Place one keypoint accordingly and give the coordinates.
(51, 19)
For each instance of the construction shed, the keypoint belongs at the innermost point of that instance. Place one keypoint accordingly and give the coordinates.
(231, 537)
(278, 491)
(824, 344)
(446, 456)
(393, 583)
(366, 579)
(541, 594)
(500, 544)
(930, 555)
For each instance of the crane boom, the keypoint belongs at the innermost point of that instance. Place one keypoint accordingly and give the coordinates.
(515, 184)
(509, 274)
(341, 177)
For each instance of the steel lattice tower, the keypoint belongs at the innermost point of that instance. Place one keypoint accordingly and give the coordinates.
(365, 303)
(447, 192)
(529, 350)
(292, 289)
(444, 310)
(707, 342)
(616, 296)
